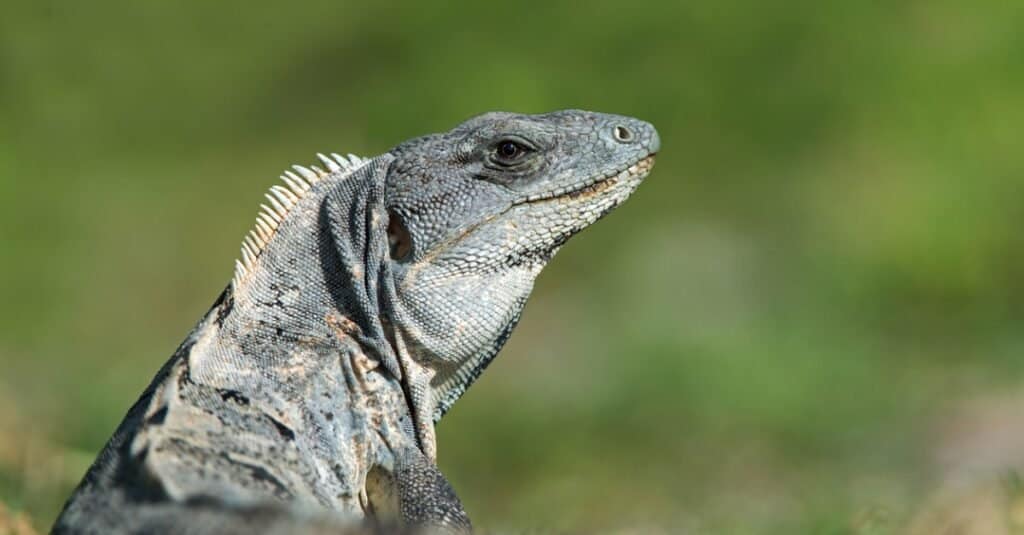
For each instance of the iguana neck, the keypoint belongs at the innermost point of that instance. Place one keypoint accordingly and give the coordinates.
(324, 275)
(315, 278)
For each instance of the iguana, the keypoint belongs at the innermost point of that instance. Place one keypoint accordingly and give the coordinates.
(368, 297)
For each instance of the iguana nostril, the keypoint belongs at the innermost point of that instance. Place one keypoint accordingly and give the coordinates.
(623, 134)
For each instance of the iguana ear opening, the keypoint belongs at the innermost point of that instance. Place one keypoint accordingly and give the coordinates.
(399, 239)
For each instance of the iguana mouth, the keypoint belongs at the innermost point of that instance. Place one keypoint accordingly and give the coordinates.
(589, 187)
(398, 234)
(597, 184)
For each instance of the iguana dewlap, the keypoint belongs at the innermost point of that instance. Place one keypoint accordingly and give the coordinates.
(369, 296)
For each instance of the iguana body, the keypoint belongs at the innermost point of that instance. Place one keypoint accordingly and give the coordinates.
(368, 298)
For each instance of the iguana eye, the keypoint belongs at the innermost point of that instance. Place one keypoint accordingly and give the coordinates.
(509, 151)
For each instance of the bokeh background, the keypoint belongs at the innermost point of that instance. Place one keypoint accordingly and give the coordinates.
(807, 320)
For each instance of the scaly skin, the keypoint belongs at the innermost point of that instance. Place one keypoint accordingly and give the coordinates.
(368, 300)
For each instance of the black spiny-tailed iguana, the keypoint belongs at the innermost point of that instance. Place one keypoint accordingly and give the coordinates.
(369, 296)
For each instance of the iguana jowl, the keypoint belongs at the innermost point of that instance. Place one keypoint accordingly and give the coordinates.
(369, 296)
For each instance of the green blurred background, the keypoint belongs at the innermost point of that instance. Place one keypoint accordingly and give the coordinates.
(807, 320)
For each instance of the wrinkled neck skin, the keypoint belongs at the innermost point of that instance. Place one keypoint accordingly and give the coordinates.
(325, 285)
(446, 326)
(452, 311)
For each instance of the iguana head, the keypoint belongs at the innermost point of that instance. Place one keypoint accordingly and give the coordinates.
(475, 213)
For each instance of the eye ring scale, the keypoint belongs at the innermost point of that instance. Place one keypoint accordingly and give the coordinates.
(623, 134)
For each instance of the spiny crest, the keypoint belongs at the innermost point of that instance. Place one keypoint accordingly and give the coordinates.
(282, 199)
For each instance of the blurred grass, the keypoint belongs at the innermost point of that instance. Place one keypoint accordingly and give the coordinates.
(827, 261)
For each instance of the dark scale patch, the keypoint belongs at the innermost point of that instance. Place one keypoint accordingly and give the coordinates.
(261, 475)
(218, 466)
(157, 417)
(285, 431)
(232, 409)
(607, 210)
(199, 396)
(344, 480)
(224, 305)
(185, 377)
(233, 396)
(538, 255)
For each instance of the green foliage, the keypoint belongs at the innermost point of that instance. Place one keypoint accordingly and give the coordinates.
(827, 257)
